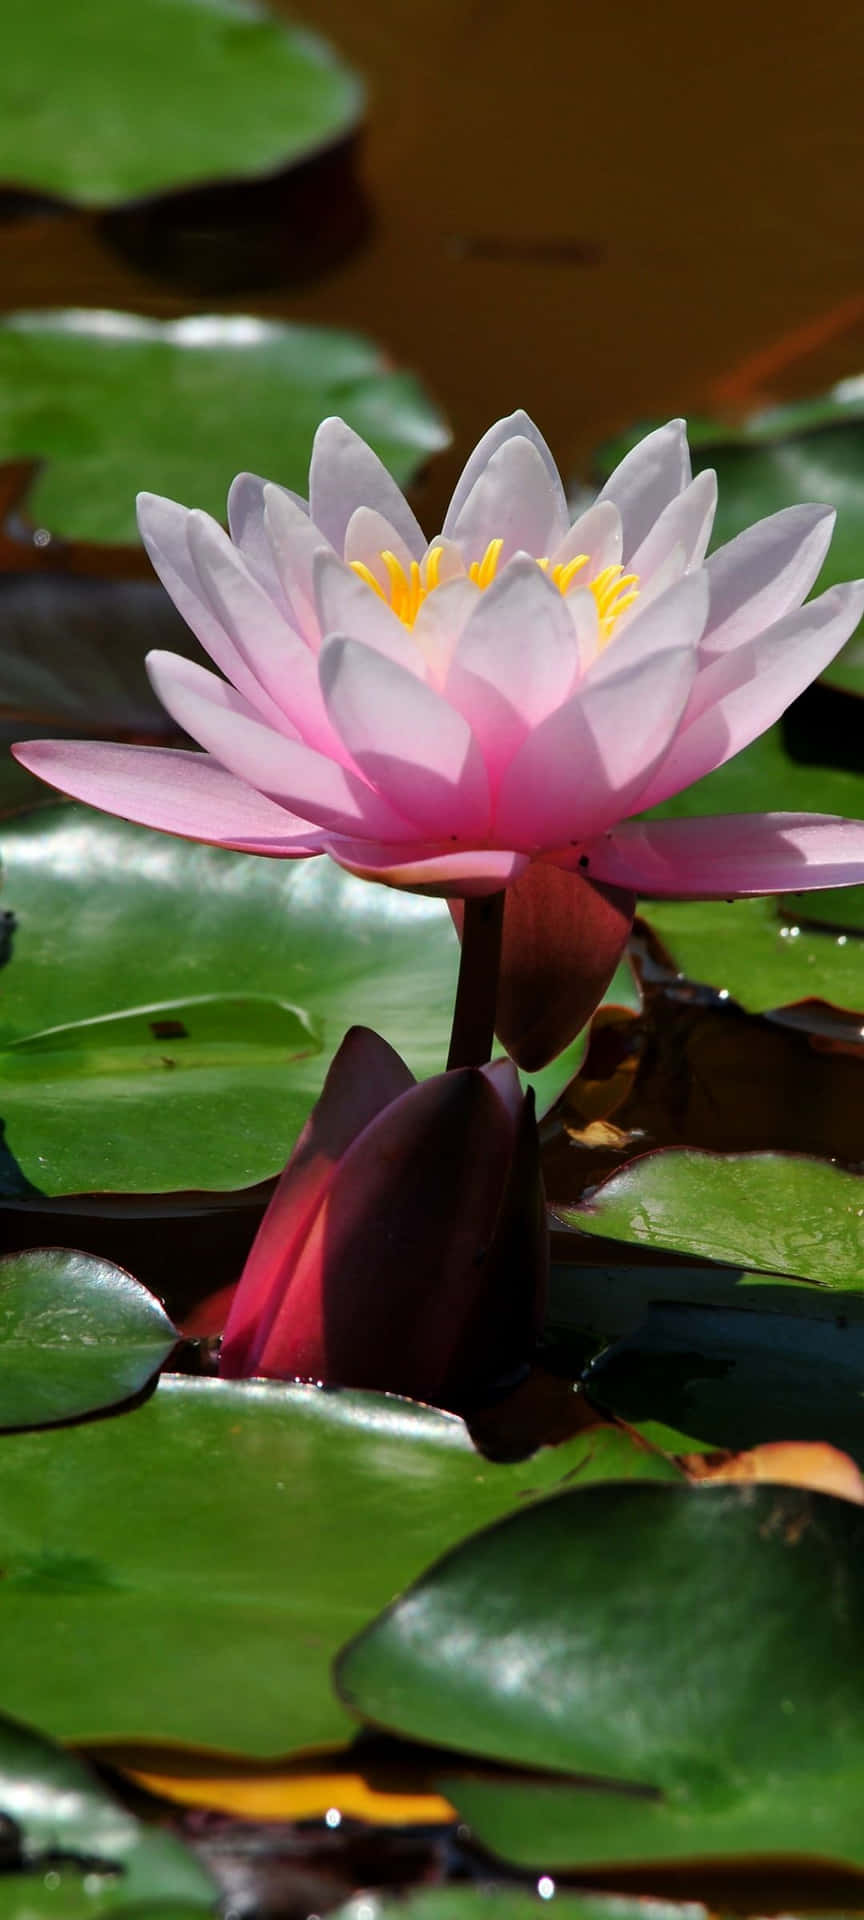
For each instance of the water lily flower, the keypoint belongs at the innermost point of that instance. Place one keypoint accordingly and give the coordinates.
(405, 1247)
(443, 715)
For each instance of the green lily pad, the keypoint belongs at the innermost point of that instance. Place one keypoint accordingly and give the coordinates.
(76, 1334)
(186, 1571)
(739, 1378)
(110, 403)
(211, 89)
(60, 1809)
(273, 959)
(780, 1213)
(695, 1652)
(756, 954)
(460, 1902)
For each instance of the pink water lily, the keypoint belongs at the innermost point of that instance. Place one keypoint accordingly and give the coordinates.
(439, 716)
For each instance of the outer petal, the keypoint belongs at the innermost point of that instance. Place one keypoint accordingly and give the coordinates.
(347, 604)
(514, 499)
(764, 572)
(284, 769)
(165, 532)
(364, 1078)
(443, 872)
(394, 1272)
(563, 939)
(683, 529)
(517, 659)
(645, 481)
(440, 622)
(295, 541)
(407, 740)
(176, 792)
(730, 856)
(580, 770)
(744, 691)
(248, 529)
(346, 474)
(514, 425)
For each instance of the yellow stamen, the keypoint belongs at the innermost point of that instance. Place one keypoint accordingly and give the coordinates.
(613, 589)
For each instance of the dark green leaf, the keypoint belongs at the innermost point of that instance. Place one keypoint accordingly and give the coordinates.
(185, 1572)
(487, 1902)
(112, 403)
(61, 1810)
(210, 89)
(112, 918)
(696, 1650)
(76, 1334)
(781, 1213)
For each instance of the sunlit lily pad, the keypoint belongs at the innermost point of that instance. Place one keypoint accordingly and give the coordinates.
(76, 1334)
(210, 89)
(233, 979)
(111, 402)
(779, 1213)
(696, 1651)
(186, 1571)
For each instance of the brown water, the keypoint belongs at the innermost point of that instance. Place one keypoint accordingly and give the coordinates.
(594, 212)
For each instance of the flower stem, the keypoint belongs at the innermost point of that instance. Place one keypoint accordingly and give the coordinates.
(477, 990)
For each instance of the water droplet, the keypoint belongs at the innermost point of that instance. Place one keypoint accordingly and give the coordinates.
(546, 1886)
(41, 537)
(723, 994)
(51, 1880)
(841, 939)
(333, 1817)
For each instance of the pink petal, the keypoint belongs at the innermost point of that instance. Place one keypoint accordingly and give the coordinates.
(517, 659)
(248, 529)
(164, 530)
(288, 771)
(394, 1273)
(407, 740)
(347, 604)
(443, 872)
(597, 533)
(675, 617)
(516, 425)
(295, 542)
(764, 572)
(742, 692)
(345, 474)
(441, 621)
(683, 529)
(580, 769)
(173, 791)
(364, 1078)
(514, 499)
(645, 481)
(730, 856)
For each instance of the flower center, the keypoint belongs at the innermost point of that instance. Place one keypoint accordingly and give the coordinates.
(407, 587)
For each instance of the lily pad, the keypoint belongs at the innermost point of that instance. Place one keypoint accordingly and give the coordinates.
(211, 89)
(460, 1902)
(73, 654)
(779, 1213)
(61, 1810)
(761, 956)
(111, 402)
(186, 1571)
(694, 1652)
(76, 1334)
(272, 960)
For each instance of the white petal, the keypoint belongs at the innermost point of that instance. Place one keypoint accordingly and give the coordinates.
(645, 481)
(684, 528)
(765, 572)
(407, 740)
(518, 657)
(677, 617)
(597, 533)
(345, 474)
(514, 500)
(515, 425)
(295, 541)
(367, 536)
(347, 604)
(248, 530)
(442, 618)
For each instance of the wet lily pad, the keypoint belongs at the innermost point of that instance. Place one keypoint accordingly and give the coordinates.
(211, 89)
(76, 1334)
(203, 990)
(110, 403)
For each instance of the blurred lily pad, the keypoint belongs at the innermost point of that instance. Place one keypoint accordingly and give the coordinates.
(62, 1812)
(76, 1334)
(693, 1655)
(186, 1571)
(777, 1213)
(110, 402)
(210, 89)
(201, 989)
